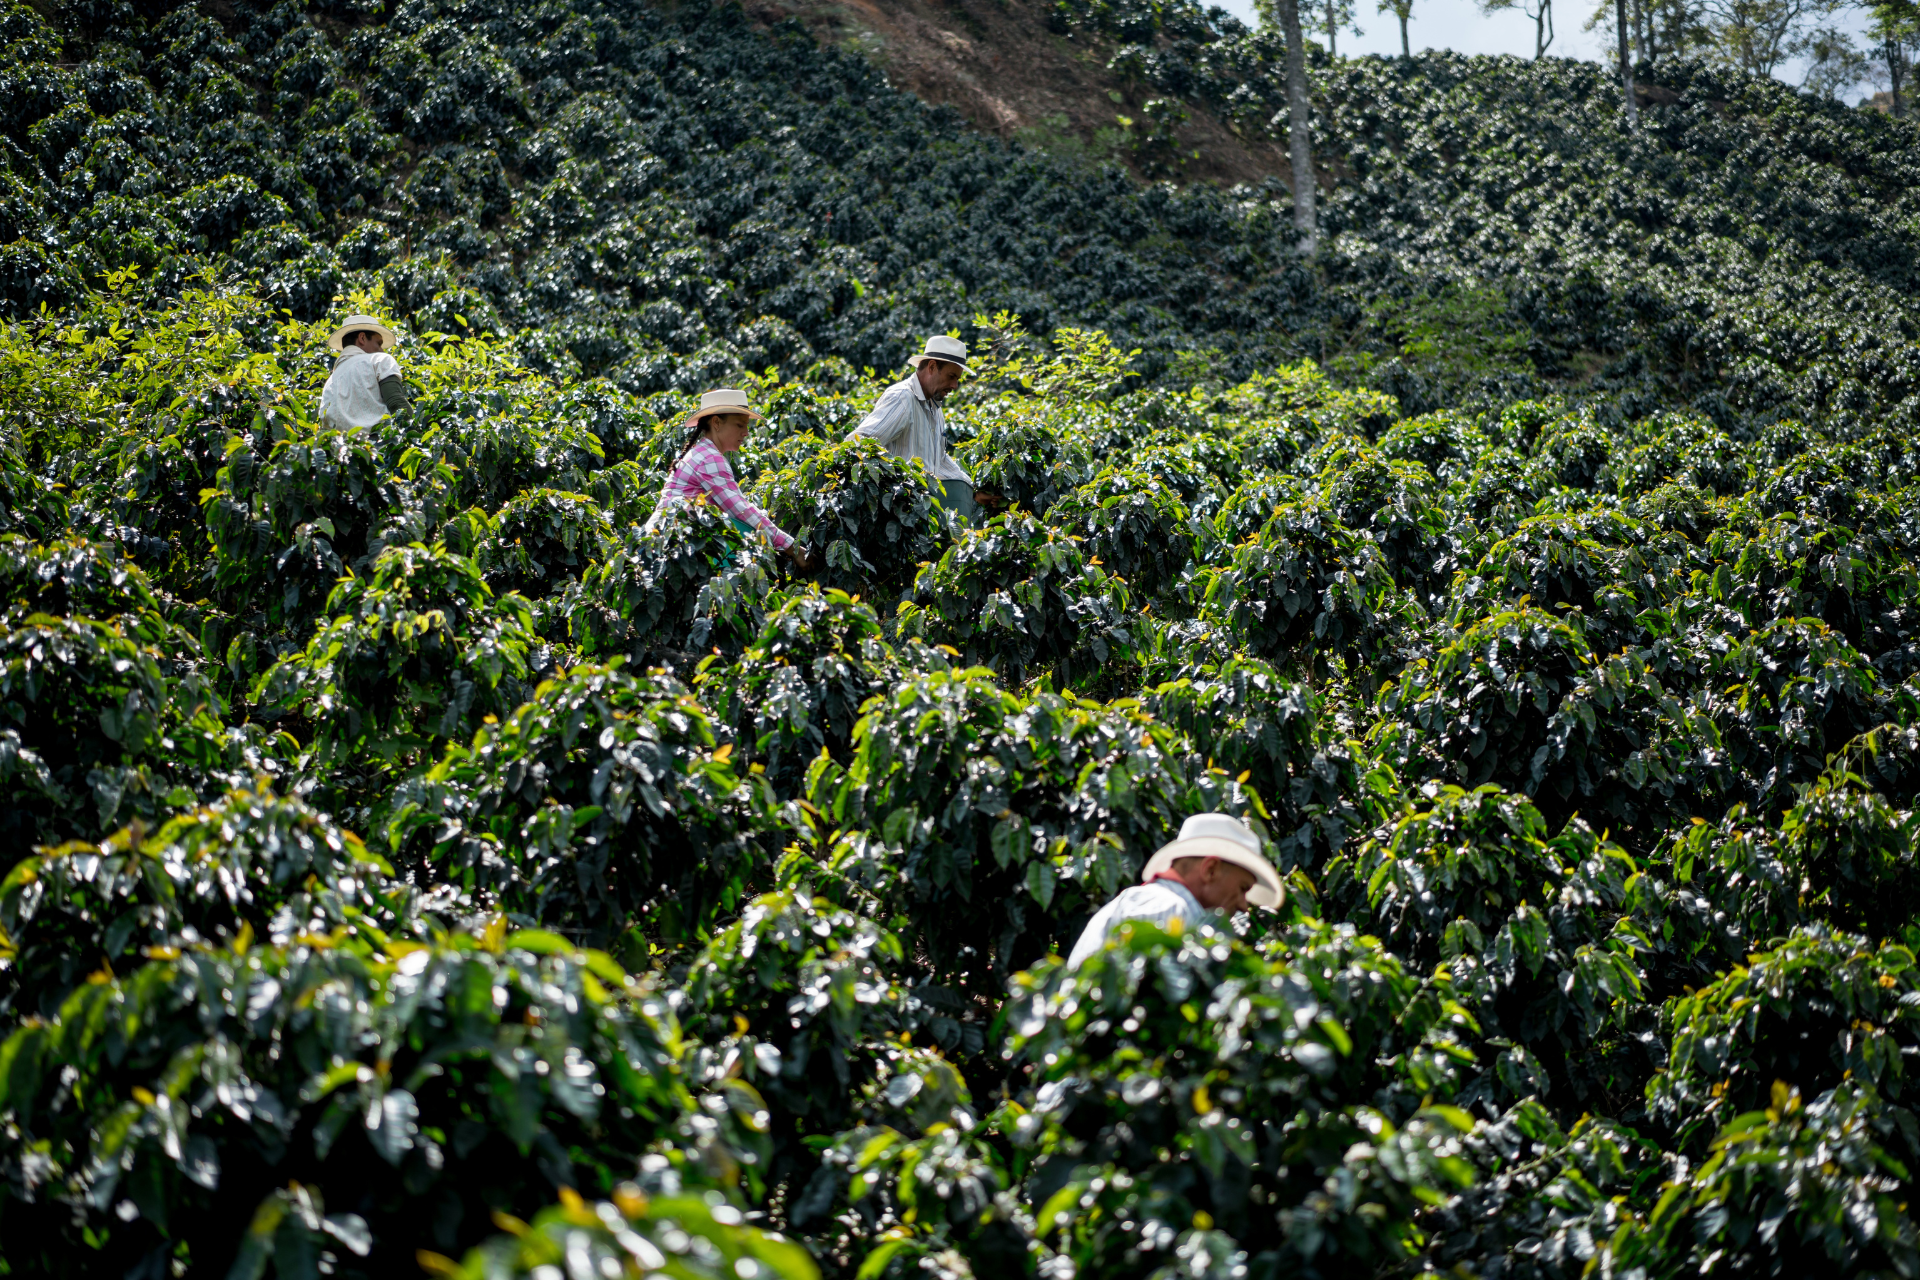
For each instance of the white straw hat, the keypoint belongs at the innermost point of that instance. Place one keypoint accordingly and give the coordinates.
(941, 347)
(723, 400)
(1219, 835)
(356, 323)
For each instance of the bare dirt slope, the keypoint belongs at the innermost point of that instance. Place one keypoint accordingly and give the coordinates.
(996, 62)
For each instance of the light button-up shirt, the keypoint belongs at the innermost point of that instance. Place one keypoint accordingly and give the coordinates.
(351, 400)
(1158, 903)
(911, 426)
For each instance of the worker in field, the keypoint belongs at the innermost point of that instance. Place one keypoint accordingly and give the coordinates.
(366, 384)
(1214, 867)
(717, 428)
(908, 421)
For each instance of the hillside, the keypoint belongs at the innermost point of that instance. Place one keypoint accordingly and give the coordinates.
(428, 854)
(663, 197)
(1012, 69)
(655, 192)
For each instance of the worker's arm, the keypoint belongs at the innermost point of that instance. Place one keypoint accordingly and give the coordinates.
(393, 391)
(889, 419)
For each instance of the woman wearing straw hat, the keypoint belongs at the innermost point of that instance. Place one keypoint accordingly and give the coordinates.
(1215, 866)
(365, 385)
(719, 427)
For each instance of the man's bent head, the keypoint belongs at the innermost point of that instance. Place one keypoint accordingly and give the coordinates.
(1215, 883)
(938, 378)
(1218, 858)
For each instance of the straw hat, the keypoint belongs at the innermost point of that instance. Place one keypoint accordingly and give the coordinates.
(941, 347)
(356, 323)
(1217, 835)
(724, 400)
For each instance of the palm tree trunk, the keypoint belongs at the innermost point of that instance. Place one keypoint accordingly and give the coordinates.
(1332, 49)
(1405, 52)
(1626, 67)
(1301, 150)
(1894, 68)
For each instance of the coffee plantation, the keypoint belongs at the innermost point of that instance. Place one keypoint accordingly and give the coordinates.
(415, 866)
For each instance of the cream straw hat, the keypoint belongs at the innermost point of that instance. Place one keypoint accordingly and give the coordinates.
(356, 323)
(941, 347)
(1218, 835)
(723, 400)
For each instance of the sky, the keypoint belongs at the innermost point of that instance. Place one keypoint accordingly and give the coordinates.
(1459, 25)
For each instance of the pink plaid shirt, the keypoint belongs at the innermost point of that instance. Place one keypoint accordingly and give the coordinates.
(704, 470)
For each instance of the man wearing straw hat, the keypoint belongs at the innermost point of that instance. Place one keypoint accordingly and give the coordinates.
(1215, 866)
(365, 385)
(908, 420)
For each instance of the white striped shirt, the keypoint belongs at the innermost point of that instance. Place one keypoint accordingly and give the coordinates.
(911, 426)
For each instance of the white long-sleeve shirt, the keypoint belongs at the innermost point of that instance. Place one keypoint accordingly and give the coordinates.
(911, 426)
(1159, 903)
(351, 399)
